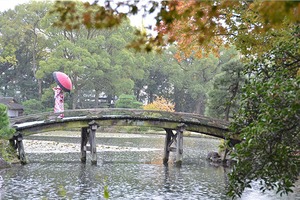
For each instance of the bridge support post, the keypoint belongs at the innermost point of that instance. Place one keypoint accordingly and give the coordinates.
(88, 134)
(179, 144)
(92, 136)
(168, 143)
(84, 140)
(17, 143)
(177, 139)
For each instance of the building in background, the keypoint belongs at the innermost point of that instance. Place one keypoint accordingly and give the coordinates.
(14, 109)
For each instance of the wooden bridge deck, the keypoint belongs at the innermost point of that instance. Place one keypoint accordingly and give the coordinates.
(44, 122)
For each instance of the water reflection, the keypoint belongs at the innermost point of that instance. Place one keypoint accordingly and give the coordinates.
(127, 174)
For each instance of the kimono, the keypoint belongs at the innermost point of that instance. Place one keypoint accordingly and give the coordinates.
(59, 101)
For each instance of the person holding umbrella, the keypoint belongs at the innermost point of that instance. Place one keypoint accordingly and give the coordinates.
(64, 84)
(59, 101)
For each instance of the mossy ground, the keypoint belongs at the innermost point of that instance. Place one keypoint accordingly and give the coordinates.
(7, 152)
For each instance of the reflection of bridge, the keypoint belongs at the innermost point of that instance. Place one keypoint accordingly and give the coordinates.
(90, 119)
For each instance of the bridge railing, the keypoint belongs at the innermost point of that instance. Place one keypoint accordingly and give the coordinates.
(123, 113)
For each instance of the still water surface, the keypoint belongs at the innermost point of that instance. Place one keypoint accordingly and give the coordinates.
(129, 166)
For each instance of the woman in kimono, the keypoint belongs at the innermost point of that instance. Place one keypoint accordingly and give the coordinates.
(59, 101)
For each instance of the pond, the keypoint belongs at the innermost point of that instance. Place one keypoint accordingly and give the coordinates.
(129, 167)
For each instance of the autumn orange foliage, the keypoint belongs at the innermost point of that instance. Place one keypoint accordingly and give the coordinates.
(201, 27)
(196, 27)
(161, 104)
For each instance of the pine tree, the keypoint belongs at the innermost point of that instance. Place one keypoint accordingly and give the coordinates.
(5, 131)
(128, 101)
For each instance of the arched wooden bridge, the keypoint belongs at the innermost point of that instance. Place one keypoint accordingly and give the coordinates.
(90, 119)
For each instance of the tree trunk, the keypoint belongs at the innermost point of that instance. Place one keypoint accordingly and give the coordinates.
(151, 97)
(97, 92)
(109, 98)
(34, 62)
(227, 111)
(75, 99)
(137, 94)
(40, 88)
(200, 105)
(75, 90)
(234, 90)
(178, 100)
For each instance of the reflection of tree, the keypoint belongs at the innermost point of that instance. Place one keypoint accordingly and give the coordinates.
(172, 181)
(85, 181)
(2, 191)
(167, 184)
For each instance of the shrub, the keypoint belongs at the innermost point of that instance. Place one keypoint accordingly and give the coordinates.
(161, 104)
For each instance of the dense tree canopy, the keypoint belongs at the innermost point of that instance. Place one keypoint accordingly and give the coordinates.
(225, 95)
(269, 121)
(194, 25)
(24, 46)
(98, 63)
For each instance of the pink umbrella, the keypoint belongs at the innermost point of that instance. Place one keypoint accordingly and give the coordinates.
(63, 81)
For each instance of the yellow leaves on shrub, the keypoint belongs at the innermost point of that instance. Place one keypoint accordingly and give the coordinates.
(161, 104)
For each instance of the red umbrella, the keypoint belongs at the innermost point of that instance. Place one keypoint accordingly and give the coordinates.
(63, 81)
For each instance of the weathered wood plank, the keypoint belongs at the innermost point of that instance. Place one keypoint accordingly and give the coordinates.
(179, 144)
(84, 140)
(169, 134)
(92, 139)
(17, 143)
(69, 123)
